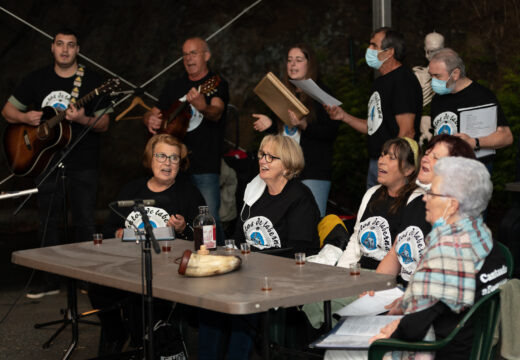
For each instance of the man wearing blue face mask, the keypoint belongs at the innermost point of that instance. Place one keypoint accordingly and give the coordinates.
(395, 106)
(456, 94)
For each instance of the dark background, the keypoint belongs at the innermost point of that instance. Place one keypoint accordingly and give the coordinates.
(137, 39)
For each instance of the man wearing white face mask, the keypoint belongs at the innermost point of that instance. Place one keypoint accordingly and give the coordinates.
(395, 106)
(455, 93)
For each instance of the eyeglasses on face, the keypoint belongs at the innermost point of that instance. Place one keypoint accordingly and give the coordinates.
(161, 157)
(430, 194)
(268, 157)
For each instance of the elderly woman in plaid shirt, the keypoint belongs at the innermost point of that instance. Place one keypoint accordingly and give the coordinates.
(450, 277)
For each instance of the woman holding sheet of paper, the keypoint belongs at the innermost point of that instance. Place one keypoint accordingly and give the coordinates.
(315, 132)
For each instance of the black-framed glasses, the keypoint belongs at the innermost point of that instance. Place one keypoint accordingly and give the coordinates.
(161, 157)
(429, 193)
(268, 157)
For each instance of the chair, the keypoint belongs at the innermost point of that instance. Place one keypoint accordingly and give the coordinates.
(509, 258)
(484, 314)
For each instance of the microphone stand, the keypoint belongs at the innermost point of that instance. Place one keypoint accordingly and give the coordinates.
(148, 298)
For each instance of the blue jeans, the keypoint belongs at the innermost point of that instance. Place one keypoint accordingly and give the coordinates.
(372, 173)
(209, 187)
(320, 189)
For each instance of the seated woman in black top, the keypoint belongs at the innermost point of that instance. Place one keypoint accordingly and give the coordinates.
(177, 202)
(279, 211)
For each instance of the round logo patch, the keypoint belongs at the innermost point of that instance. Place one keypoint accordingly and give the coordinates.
(409, 246)
(374, 237)
(57, 99)
(260, 232)
(445, 123)
(158, 218)
(375, 113)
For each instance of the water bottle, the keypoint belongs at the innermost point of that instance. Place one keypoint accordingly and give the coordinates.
(204, 229)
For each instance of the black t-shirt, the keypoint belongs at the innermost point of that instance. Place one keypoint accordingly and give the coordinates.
(289, 219)
(378, 228)
(413, 327)
(181, 198)
(445, 109)
(44, 87)
(204, 137)
(397, 92)
(409, 243)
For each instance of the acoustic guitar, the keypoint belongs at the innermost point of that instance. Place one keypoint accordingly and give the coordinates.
(29, 149)
(177, 119)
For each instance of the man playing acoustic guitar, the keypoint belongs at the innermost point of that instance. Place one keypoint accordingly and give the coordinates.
(60, 86)
(207, 96)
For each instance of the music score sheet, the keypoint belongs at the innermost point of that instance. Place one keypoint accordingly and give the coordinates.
(354, 332)
(477, 122)
(309, 87)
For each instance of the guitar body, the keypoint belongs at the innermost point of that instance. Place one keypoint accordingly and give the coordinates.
(29, 149)
(176, 120)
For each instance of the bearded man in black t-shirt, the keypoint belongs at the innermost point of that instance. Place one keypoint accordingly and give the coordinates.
(58, 86)
(395, 106)
(205, 133)
(457, 94)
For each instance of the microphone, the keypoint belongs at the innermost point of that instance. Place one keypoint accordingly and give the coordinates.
(126, 92)
(130, 203)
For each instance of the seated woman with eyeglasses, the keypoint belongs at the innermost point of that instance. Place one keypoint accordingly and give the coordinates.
(177, 200)
(176, 205)
(279, 211)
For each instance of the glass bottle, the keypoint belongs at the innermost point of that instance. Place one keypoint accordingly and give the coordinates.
(204, 229)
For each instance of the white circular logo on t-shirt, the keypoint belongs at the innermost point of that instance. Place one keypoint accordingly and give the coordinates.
(409, 246)
(59, 100)
(374, 237)
(375, 113)
(260, 232)
(196, 116)
(158, 218)
(445, 123)
(292, 132)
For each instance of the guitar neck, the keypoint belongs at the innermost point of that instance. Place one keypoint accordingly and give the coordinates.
(79, 104)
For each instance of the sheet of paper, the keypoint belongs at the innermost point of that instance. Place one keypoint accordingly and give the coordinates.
(354, 332)
(309, 87)
(478, 122)
(371, 305)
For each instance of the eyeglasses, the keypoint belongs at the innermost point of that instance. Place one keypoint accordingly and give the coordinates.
(161, 157)
(429, 193)
(268, 157)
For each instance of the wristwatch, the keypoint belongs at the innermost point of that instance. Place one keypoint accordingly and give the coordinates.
(477, 145)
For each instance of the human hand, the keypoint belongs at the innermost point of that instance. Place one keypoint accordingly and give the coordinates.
(301, 123)
(153, 120)
(262, 122)
(472, 142)
(335, 112)
(386, 331)
(394, 308)
(75, 114)
(33, 117)
(369, 293)
(195, 98)
(177, 222)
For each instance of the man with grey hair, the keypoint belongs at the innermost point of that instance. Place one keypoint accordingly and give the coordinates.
(206, 113)
(395, 106)
(457, 95)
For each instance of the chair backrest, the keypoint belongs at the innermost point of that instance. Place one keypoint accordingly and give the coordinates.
(484, 316)
(509, 258)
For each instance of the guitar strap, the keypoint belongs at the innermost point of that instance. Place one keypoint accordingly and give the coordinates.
(78, 80)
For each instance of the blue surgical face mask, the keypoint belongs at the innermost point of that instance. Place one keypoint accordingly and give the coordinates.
(441, 86)
(372, 60)
(440, 221)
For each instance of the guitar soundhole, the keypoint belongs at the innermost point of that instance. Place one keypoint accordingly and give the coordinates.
(26, 140)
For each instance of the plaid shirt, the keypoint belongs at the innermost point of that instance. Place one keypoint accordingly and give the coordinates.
(446, 273)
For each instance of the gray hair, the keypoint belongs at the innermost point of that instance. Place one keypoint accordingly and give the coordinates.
(451, 59)
(466, 180)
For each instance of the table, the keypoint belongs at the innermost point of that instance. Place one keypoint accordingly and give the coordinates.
(117, 264)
